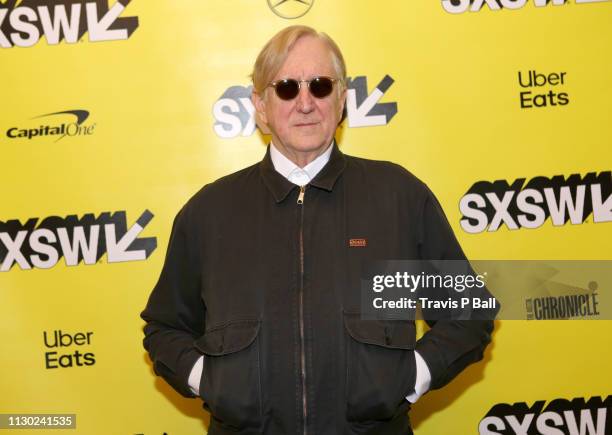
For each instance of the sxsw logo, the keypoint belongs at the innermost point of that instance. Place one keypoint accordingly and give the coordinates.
(460, 6)
(559, 417)
(488, 206)
(24, 22)
(234, 112)
(41, 244)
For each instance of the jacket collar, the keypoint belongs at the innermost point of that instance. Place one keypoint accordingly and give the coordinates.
(280, 187)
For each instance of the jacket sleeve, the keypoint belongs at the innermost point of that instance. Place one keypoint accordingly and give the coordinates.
(175, 311)
(450, 345)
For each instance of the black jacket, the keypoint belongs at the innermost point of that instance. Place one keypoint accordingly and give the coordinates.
(268, 290)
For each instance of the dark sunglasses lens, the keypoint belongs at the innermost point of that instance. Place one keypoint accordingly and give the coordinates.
(321, 87)
(287, 89)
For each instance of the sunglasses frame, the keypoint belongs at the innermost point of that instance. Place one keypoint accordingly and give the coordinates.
(299, 83)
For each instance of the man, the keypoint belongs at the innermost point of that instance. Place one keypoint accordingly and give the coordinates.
(257, 309)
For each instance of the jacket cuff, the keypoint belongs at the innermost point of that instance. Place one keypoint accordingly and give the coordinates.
(183, 370)
(195, 376)
(423, 379)
(434, 360)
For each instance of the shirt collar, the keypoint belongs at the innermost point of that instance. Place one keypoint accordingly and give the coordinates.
(280, 187)
(293, 172)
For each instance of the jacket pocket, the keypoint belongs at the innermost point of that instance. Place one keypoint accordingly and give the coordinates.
(231, 379)
(380, 369)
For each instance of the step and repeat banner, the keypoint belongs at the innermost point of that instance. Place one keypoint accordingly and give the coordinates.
(115, 112)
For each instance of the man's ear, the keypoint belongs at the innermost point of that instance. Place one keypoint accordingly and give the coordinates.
(342, 106)
(260, 107)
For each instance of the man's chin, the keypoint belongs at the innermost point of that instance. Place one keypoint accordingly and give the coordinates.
(302, 144)
(308, 146)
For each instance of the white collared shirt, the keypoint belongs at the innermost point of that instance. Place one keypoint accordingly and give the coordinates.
(295, 174)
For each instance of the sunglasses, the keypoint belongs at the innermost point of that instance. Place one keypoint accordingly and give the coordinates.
(288, 89)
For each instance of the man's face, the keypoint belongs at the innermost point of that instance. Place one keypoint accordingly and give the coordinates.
(305, 124)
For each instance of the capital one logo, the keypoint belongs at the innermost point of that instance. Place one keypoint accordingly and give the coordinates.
(85, 239)
(488, 206)
(461, 6)
(23, 23)
(234, 112)
(59, 130)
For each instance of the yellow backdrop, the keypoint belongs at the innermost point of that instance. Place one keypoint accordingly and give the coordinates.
(153, 100)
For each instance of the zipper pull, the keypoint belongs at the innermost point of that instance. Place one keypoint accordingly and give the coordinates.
(300, 199)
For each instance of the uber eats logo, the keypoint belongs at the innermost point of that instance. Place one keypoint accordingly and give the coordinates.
(24, 22)
(460, 6)
(41, 244)
(489, 205)
(234, 112)
(559, 417)
(68, 350)
(542, 89)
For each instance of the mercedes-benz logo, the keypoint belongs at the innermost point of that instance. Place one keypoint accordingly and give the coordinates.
(290, 9)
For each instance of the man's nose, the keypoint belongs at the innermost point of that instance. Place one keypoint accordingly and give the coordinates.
(305, 102)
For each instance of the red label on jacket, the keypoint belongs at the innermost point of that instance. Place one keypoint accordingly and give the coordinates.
(358, 243)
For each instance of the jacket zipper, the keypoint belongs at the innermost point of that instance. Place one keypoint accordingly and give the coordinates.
(300, 202)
